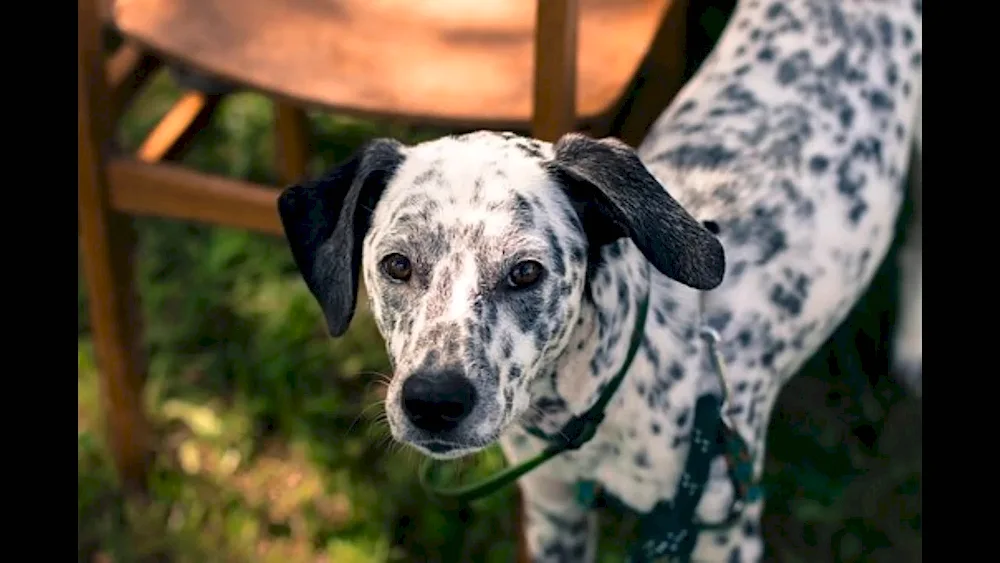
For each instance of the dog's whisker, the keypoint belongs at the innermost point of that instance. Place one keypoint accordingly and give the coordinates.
(361, 415)
(380, 378)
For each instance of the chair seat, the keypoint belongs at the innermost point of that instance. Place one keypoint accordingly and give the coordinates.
(448, 62)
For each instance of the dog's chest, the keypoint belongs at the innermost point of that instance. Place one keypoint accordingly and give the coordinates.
(638, 452)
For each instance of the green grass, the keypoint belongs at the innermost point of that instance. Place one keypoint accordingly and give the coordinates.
(269, 445)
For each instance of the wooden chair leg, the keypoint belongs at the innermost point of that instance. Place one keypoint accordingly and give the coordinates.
(292, 139)
(554, 103)
(107, 240)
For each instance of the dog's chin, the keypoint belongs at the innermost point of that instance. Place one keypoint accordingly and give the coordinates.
(444, 449)
(447, 448)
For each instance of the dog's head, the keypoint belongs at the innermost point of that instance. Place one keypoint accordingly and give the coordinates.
(475, 252)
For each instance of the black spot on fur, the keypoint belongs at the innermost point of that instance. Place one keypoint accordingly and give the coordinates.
(558, 256)
(529, 147)
(686, 107)
(526, 307)
(785, 300)
(744, 337)
(857, 212)
(432, 174)
(737, 270)
(892, 74)
(651, 354)
(524, 215)
(676, 371)
(885, 30)
(660, 319)
(907, 36)
(670, 306)
(818, 164)
(682, 418)
(641, 459)
(623, 292)
(846, 117)
(881, 101)
(691, 156)
(794, 66)
(506, 346)
(767, 359)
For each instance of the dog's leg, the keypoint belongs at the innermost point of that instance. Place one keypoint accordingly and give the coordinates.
(558, 529)
(908, 341)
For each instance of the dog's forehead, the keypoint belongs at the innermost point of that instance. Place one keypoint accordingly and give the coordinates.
(495, 178)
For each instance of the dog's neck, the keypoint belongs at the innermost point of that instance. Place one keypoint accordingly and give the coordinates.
(598, 347)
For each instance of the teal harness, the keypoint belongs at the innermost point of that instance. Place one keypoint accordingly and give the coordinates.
(670, 529)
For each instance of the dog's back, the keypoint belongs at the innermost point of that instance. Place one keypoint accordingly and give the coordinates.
(794, 137)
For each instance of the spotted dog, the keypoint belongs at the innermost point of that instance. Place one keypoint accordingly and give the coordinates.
(506, 274)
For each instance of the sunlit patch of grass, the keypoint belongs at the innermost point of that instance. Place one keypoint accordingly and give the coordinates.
(215, 498)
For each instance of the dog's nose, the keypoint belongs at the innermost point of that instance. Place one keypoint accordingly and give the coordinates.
(438, 401)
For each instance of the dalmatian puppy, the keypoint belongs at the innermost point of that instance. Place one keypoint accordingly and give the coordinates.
(506, 274)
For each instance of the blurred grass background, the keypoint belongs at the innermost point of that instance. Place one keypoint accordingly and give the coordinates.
(270, 452)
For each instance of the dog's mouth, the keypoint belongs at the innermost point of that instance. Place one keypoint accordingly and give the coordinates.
(448, 449)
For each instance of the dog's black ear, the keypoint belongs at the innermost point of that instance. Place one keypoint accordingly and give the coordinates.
(616, 196)
(325, 221)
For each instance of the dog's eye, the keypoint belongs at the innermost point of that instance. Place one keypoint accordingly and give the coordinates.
(525, 274)
(397, 267)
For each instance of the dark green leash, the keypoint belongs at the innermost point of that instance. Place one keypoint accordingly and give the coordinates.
(670, 529)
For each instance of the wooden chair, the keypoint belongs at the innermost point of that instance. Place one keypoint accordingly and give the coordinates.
(547, 67)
